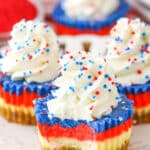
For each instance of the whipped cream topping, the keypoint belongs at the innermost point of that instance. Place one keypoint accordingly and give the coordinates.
(86, 91)
(34, 53)
(89, 9)
(129, 51)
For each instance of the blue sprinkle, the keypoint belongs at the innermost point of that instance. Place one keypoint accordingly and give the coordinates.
(106, 76)
(47, 50)
(105, 86)
(127, 68)
(93, 97)
(100, 66)
(81, 63)
(47, 30)
(117, 98)
(65, 69)
(80, 75)
(89, 76)
(91, 61)
(127, 49)
(35, 52)
(31, 30)
(90, 83)
(77, 63)
(144, 34)
(23, 58)
(118, 39)
(146, 77)
(109, 90)
(24, 73)
(85, 88)
(143, 61)
(72, 89)
(30, 72)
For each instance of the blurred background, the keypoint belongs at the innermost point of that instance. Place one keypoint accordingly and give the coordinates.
(12, 11)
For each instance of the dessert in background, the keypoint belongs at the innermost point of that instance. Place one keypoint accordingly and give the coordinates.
(88, 16)
(27, 69)
(129, 56)
(86, 112)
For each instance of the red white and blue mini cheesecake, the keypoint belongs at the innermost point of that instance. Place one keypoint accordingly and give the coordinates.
(88, 16)
(129, 56)
(27, 69)
(86, 112)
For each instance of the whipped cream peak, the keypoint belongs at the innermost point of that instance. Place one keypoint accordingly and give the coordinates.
(34, 53)
(129, 51)
(89, 9)
(86, 91)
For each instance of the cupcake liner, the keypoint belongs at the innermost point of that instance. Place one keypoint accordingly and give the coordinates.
(140, 95)
(17, 114)
(95, 25)
(20, 93)
(119, 115)
(16, 99)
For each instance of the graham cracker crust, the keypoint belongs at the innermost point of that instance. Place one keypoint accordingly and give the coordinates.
(17, 114)
(144, 117)
(124, 147)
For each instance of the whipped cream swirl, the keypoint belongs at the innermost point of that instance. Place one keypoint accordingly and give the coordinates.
(129, 51)
(34, 53)
(86, 91)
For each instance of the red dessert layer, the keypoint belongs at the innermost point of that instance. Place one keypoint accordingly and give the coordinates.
(12, 11)
(25, 99)
(82, 132)
(140, 100)
(64, 30)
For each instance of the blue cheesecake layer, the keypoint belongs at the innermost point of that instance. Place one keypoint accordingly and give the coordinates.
(17, 86)
(59, 16)
(120, 114)
(134, 89)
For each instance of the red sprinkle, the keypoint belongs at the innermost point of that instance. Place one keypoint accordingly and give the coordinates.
(109, 79)
(91, 107)
(40, 71)
(84, 68)
(139, 71)
(112, 106)
(95, 78)
(30, 57)
(99, 72)
(71, 57)
(97, 92)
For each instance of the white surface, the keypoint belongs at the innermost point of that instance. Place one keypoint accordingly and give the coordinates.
(18, 137)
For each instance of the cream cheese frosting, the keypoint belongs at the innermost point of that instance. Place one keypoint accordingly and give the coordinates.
(89, 9)
(86, 91)
(129, 51)
(34, 53)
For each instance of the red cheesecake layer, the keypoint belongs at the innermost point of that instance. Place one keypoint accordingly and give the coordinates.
(25, 99)
(65, 30)
(82, 132)
(140, 100)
